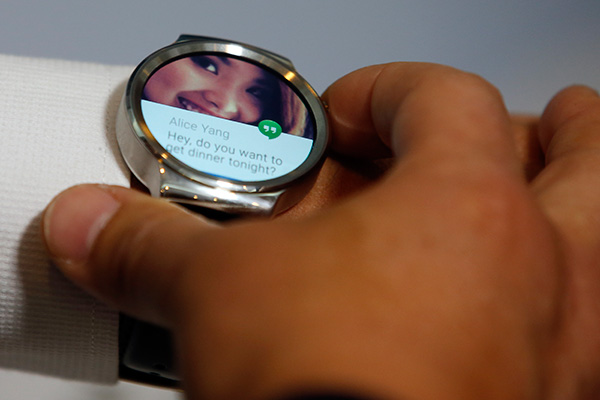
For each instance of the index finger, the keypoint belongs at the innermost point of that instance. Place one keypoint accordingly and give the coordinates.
(404, 108)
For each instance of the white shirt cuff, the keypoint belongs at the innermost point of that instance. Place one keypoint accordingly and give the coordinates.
(57, 130)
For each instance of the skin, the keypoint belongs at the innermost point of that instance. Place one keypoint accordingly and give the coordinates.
(466, 267)
(221, 87)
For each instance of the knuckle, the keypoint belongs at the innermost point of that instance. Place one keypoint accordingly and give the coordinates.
(117, 253)
(133, 254)
(493, 208)
(573, 115)
(461, 85)
(572, 102)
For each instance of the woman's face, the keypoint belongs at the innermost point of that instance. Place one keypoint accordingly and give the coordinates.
(218, 86)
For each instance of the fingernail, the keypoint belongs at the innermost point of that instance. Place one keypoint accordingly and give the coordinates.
(75, 218)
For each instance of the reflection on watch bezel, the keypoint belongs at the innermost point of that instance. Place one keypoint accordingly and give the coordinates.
(277, 65)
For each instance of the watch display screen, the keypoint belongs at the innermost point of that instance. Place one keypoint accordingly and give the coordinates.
(227, 117)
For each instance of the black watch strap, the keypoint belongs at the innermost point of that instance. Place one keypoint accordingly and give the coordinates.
(146, 353)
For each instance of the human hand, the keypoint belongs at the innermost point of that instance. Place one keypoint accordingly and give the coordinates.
(469, 270)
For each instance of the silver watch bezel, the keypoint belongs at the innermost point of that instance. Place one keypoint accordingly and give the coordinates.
(131, 107)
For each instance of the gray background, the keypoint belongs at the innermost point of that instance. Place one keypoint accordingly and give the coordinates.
(529, 49)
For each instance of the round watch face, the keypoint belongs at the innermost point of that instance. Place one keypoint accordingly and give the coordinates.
(228, 117)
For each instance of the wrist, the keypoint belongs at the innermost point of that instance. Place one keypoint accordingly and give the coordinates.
(373, 366)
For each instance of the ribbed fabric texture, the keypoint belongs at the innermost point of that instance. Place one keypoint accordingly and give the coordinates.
(56, 130)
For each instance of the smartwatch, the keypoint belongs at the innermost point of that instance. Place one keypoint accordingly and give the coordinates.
(226, 128)
(222, 125)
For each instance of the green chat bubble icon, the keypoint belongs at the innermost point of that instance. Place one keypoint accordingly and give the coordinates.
(270, 129)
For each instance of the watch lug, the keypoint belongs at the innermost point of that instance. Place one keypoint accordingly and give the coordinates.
(176, 188)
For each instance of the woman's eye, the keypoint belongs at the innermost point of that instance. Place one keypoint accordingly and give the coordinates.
(206, 63)
(258, 92)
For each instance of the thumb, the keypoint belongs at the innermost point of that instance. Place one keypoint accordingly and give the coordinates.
(122, 246)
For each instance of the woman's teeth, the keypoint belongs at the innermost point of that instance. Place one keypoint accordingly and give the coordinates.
(189, 105)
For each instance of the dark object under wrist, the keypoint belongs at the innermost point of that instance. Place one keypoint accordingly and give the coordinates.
(324, 396)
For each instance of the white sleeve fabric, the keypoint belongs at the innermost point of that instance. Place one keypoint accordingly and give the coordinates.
(56, 130)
